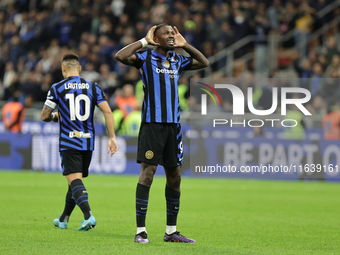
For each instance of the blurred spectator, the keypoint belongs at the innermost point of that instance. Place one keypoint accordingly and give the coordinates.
(303, 26)
(240, 24)
(212, 28)
(296, 131)
(158, 11)
(90, 73)
(53, 50)
(266, 99)
(273, 14)
(8, 78)
(334, 66)
(182, 93)
(131, 124)
(189, 32)
(316, 80)
(261, 32)
(29, 101)
(45, 61)
(318, 106)
(117, 7)
(127, 102)
(15, 50)
(226, 37)
(65, 30)
(32, 86)
(13, 114)
(331, 122)
(45, 86)
(331, 86)
(108, 80)
(287, 22)
(331, 48)
(31, 60)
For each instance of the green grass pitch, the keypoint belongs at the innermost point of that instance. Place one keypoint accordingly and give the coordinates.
(223, 216)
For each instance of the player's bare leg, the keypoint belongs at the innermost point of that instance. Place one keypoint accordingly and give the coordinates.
(172, 196)
(142, 197)
(71, 177)
(146, 174)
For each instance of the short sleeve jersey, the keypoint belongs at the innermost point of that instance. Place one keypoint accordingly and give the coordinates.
(75, 98)
(160, 77)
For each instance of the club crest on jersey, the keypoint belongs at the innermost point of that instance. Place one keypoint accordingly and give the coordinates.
(166, 64)
(149, 154)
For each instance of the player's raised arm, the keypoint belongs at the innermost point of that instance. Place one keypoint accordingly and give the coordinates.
(110, 125)
(199, 60)
(126, 55)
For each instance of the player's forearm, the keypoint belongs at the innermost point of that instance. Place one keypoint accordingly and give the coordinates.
(124, 54)
(196, 54)
(48, 118)
(47, 114)
(110, 124)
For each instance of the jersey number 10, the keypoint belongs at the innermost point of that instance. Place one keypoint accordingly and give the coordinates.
(75, 107)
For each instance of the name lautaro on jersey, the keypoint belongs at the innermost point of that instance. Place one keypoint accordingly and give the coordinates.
(75, 85)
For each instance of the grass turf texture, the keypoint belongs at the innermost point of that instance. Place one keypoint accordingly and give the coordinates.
(223, 216)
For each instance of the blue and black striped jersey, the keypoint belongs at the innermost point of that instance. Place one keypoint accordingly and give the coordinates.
(75, 98)
(160, 77)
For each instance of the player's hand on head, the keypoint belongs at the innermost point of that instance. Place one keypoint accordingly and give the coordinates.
(150, 36)
(179, 39)
(112, 146)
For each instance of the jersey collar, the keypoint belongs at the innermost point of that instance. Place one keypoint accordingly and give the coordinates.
(155, 54)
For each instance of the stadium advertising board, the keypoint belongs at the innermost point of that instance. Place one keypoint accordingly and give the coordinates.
(215, 152)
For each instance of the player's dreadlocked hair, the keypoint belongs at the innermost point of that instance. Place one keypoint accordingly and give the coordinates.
(70, 60)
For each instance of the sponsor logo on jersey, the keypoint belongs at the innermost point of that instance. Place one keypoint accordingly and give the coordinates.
(166, 71)
(79, 134)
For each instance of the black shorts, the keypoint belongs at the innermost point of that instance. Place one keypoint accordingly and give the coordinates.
(74, 161)
(160, 143)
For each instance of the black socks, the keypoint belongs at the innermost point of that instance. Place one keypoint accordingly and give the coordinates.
(69, 206)
(172, 205)
(142, 197)
(80, 197)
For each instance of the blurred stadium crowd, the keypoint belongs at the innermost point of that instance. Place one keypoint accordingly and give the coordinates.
(34, 35)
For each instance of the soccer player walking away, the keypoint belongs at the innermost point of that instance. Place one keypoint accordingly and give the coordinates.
(76, 98)
(160, 137)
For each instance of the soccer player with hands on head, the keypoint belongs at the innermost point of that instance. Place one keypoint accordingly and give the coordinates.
(160, 135)
(76, 99)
